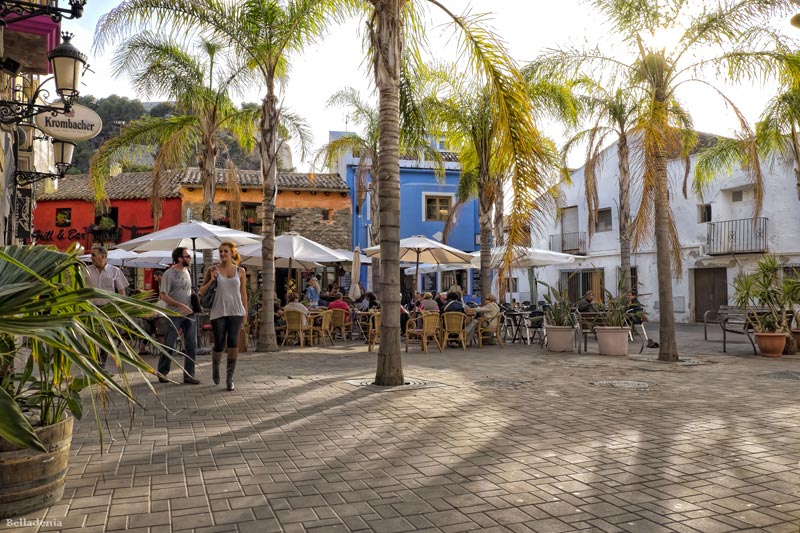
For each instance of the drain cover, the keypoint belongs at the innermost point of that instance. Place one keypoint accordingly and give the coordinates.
(624, 385)
(503, 384)
(785, 374)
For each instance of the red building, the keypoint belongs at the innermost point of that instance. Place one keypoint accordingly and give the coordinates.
(68, 214)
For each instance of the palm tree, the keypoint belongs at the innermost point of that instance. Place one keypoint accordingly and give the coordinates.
(263, 34)
(160, 65)
(462, 109)
(387, 22)
(614, 114)
(413, 142)
(738, 33)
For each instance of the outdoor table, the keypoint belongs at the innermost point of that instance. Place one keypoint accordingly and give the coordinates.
(516, 320)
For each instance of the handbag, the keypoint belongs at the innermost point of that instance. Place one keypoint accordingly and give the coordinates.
(196, 307)
(207, 300)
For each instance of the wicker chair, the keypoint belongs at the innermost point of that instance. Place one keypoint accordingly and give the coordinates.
(325, 328)
(453, 327)
(425, 327)
(295, 326)
(488, 328)
(342, 322)
(374, 333)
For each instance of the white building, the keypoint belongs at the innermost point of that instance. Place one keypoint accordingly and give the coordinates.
(718, 233)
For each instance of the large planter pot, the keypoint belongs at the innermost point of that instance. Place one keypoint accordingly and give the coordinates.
(31, 480)
(771, 344)
(612, 340)
(560, 338)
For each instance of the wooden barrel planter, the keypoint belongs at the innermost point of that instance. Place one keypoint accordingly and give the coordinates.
(32, 480)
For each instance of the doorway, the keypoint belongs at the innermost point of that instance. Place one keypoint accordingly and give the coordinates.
(710, 290)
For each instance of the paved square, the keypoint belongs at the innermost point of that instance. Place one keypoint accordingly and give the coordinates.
(513, 439)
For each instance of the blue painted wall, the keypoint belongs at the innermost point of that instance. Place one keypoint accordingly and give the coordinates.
(415, 183)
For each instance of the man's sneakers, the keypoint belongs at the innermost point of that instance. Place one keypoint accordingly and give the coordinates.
(162, 379)
(651, 343)
(190, 380)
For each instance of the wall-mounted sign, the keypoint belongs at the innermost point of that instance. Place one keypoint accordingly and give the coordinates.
(80, 124)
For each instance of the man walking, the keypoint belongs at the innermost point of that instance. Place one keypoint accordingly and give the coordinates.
(176, 293)
(106, 277)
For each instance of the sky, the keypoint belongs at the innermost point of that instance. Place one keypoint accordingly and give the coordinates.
(526, 26)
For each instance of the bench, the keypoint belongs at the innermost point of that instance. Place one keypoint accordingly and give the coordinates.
(735, 322)
(719, 316)
(589, 320)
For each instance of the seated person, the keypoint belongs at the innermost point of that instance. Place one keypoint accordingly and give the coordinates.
(635, 309)
(587, 304)
(487, 314)
(294, 305)
(441, 300)
(453, 304)
(339, 303)
(428, 304)
(369, 302)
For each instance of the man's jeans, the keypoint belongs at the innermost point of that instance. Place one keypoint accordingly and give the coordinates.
(187, 324)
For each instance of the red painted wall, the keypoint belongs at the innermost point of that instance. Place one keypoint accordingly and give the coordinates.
(129, 213)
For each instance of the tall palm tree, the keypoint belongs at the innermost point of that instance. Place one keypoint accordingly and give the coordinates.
(161, 66)
(462, 109)
(613, 114)
(263, 35)
(731, 37)
(387, 24)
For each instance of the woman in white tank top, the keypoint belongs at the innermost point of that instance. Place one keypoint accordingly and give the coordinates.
(229, 312)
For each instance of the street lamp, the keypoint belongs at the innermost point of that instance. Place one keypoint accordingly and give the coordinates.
(67, 63)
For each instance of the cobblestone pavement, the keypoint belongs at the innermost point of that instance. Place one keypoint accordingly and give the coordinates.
(512, 439)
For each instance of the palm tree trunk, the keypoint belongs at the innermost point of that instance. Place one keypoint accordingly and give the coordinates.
(668, 347)
(207, 159)
(386, 33)
(375, 230)
(624, 214)
(268, 146)
(485, 204)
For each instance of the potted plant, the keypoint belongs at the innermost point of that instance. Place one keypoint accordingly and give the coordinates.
(612, 335)
(47, 318)
(106, 224)
(559, 320)
(765, 300)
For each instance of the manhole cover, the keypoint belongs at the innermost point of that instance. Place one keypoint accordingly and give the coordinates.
(410, 384)
(785, 374)
(624, 385)
(503, 384)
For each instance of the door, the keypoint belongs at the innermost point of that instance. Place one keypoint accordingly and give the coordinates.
(710, 290)
(569, 230)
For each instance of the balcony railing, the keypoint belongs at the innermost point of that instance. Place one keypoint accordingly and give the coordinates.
(743, 236)
(106, 236)
(569, 243)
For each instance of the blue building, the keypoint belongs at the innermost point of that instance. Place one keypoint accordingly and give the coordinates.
(425, 203)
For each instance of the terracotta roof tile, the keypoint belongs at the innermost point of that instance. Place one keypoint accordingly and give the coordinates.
(125, 186)
(290, 181)
(135, 185)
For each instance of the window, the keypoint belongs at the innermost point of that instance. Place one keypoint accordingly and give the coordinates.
(282, 225)
(512, 285)
(250, 220)
(577, 282)
(603, 222)
(64, 217)
(704, 213)
(327, 214)
(737, 196)
(437, 207)
(634, 277)
(791, 271)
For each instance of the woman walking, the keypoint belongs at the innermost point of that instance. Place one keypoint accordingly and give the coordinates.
(229, 312)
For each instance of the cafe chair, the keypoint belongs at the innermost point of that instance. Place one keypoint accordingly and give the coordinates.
(453, 326)
(490, 328)
(374, 333)
(424, 327)
(342, 322)
(296, 329)
(324, 329)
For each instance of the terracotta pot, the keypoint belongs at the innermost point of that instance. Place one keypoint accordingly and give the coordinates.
(560, 338)
(771, 344)
(612, 340)
(30, 479)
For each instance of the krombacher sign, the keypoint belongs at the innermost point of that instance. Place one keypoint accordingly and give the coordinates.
(80, 124)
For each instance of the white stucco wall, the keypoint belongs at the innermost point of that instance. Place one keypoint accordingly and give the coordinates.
(781, 207)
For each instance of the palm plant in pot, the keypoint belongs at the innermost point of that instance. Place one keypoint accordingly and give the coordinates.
(559, 320)
(765, 301)
(49, 325)
(612, 335)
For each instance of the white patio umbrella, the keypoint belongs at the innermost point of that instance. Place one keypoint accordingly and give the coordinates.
(525, 257)
(420, 249)
(116, 257)
(162, 258)
(280, 262)
(294, 246)
(355, 275)
(194, 235)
